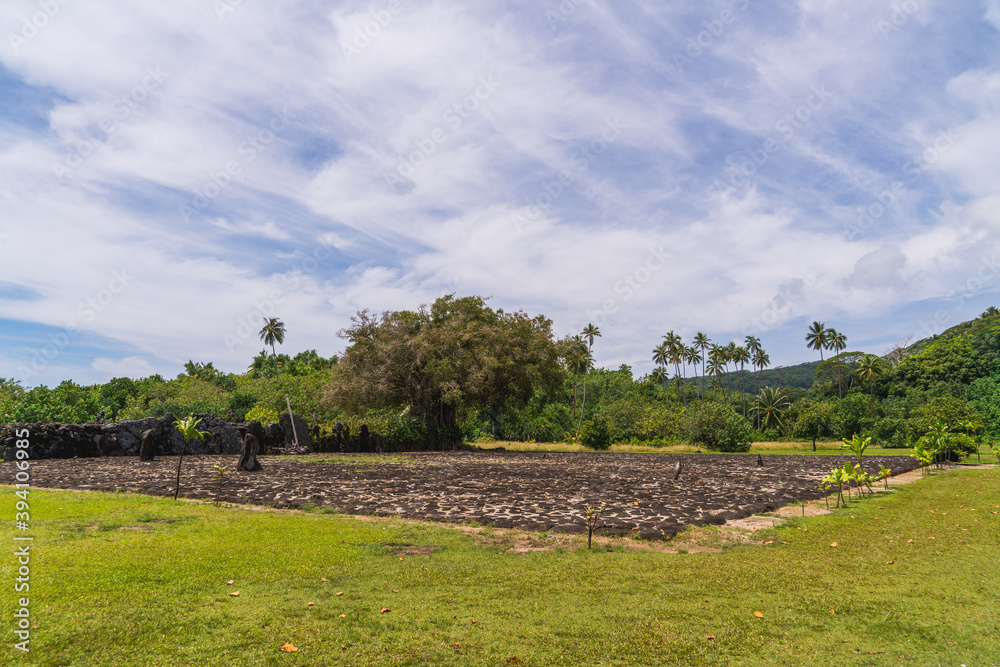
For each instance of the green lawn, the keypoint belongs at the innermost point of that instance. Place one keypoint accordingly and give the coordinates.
(119, 579)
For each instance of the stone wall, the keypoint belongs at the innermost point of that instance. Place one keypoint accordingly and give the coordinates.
(66, 441)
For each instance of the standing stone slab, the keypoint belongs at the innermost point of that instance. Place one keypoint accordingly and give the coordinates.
(248, 457)
(147, 448)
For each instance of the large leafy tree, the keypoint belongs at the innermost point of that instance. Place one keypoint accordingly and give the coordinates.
(446, 360)
(273, 332)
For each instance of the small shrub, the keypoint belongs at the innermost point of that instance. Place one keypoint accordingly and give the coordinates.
(770, 435)
(718, 427)
(595, 433)
(263, 414)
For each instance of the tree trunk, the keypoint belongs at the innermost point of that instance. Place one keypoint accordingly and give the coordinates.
(583, 404)
(180, 459)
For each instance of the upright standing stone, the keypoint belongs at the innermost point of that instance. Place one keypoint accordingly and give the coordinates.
(147, 448)
(248, 457)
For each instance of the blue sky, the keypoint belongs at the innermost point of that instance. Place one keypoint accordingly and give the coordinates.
(170, 174)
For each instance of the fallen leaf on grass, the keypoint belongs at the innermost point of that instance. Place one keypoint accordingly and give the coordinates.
(758, 614)
(784, 542)
(889, 562)
(400, 558)
(289, 647)
(769, 542)
(310, 604)
(930, 538)
(833, 544)
(514, 661)
(384, 610)
(323, 579)
(457, 645)
(709, 636)
(474, 622)
(230, 582)
(234, 594)
(340, 593)
(342, 616)
(909, 541)
(832, 611)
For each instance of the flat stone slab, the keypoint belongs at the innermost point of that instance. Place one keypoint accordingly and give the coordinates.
(525, 490)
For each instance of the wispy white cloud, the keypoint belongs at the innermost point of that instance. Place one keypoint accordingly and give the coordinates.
(713, 166)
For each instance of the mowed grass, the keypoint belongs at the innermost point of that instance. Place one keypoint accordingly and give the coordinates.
(121, 579)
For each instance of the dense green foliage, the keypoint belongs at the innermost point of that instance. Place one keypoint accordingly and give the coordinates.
(459, 370)
(445, 361)
(718, 427)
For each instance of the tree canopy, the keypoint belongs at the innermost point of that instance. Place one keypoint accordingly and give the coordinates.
(445, 360)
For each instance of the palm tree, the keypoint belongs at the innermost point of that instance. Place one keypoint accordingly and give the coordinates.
(716, 366)
(589, 333)
(189, 431)
(752, 344)
(273, 332)
(196, 369)
(675, 353)
(771, 403)
(837, 342)
(661, 355)
(741, 356)
(701, 341)
(870, 368)
(692, 357)
(729, 354)
(761, 360)
(659, 376)
(818, 339)
(577, 359)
